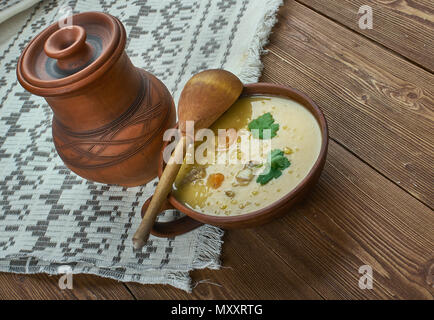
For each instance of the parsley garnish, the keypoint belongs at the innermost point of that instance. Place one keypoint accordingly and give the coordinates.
(258, 125)
(276, 163)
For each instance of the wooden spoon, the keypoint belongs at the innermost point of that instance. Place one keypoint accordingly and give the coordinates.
(205, 97)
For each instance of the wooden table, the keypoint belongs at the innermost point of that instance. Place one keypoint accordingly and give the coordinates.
(373, 203)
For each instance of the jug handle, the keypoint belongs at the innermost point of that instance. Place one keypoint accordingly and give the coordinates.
(171, 228)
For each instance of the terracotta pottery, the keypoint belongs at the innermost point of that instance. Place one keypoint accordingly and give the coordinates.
(194, 219)
(109, 116)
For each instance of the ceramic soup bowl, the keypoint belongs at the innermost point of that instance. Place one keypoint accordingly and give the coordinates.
(282, 206)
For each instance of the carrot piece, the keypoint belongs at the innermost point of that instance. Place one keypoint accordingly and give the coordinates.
(215, 180)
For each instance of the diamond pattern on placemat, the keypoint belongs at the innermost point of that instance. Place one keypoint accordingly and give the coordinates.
(48, 215)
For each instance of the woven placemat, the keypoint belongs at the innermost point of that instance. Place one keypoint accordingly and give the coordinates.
(50, 217)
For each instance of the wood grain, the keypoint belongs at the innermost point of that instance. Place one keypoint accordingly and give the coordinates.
(44, 287)
(250, 271)
(356, 217)
(404, 26)
(377, 105)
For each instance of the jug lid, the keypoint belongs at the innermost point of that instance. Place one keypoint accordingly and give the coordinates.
(61, 60)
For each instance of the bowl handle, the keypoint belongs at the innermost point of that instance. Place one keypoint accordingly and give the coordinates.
(171, 228)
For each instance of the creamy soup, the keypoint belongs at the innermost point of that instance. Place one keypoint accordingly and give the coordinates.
(244, 179)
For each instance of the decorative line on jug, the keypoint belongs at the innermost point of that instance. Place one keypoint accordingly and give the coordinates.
(103, 136)
(144, 87)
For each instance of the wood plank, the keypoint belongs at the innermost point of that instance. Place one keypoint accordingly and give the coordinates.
(377, 105)
(250, 271)
(44, 287)
(406, 27)
(356, 217)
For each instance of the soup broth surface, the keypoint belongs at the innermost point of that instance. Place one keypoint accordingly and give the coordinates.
(229, 186)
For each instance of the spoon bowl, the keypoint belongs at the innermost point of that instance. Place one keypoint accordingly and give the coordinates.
(206, 96)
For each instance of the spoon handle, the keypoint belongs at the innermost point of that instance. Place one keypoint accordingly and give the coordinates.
(161, 192)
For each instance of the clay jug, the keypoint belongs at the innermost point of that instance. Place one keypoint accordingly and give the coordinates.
(108, 116)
